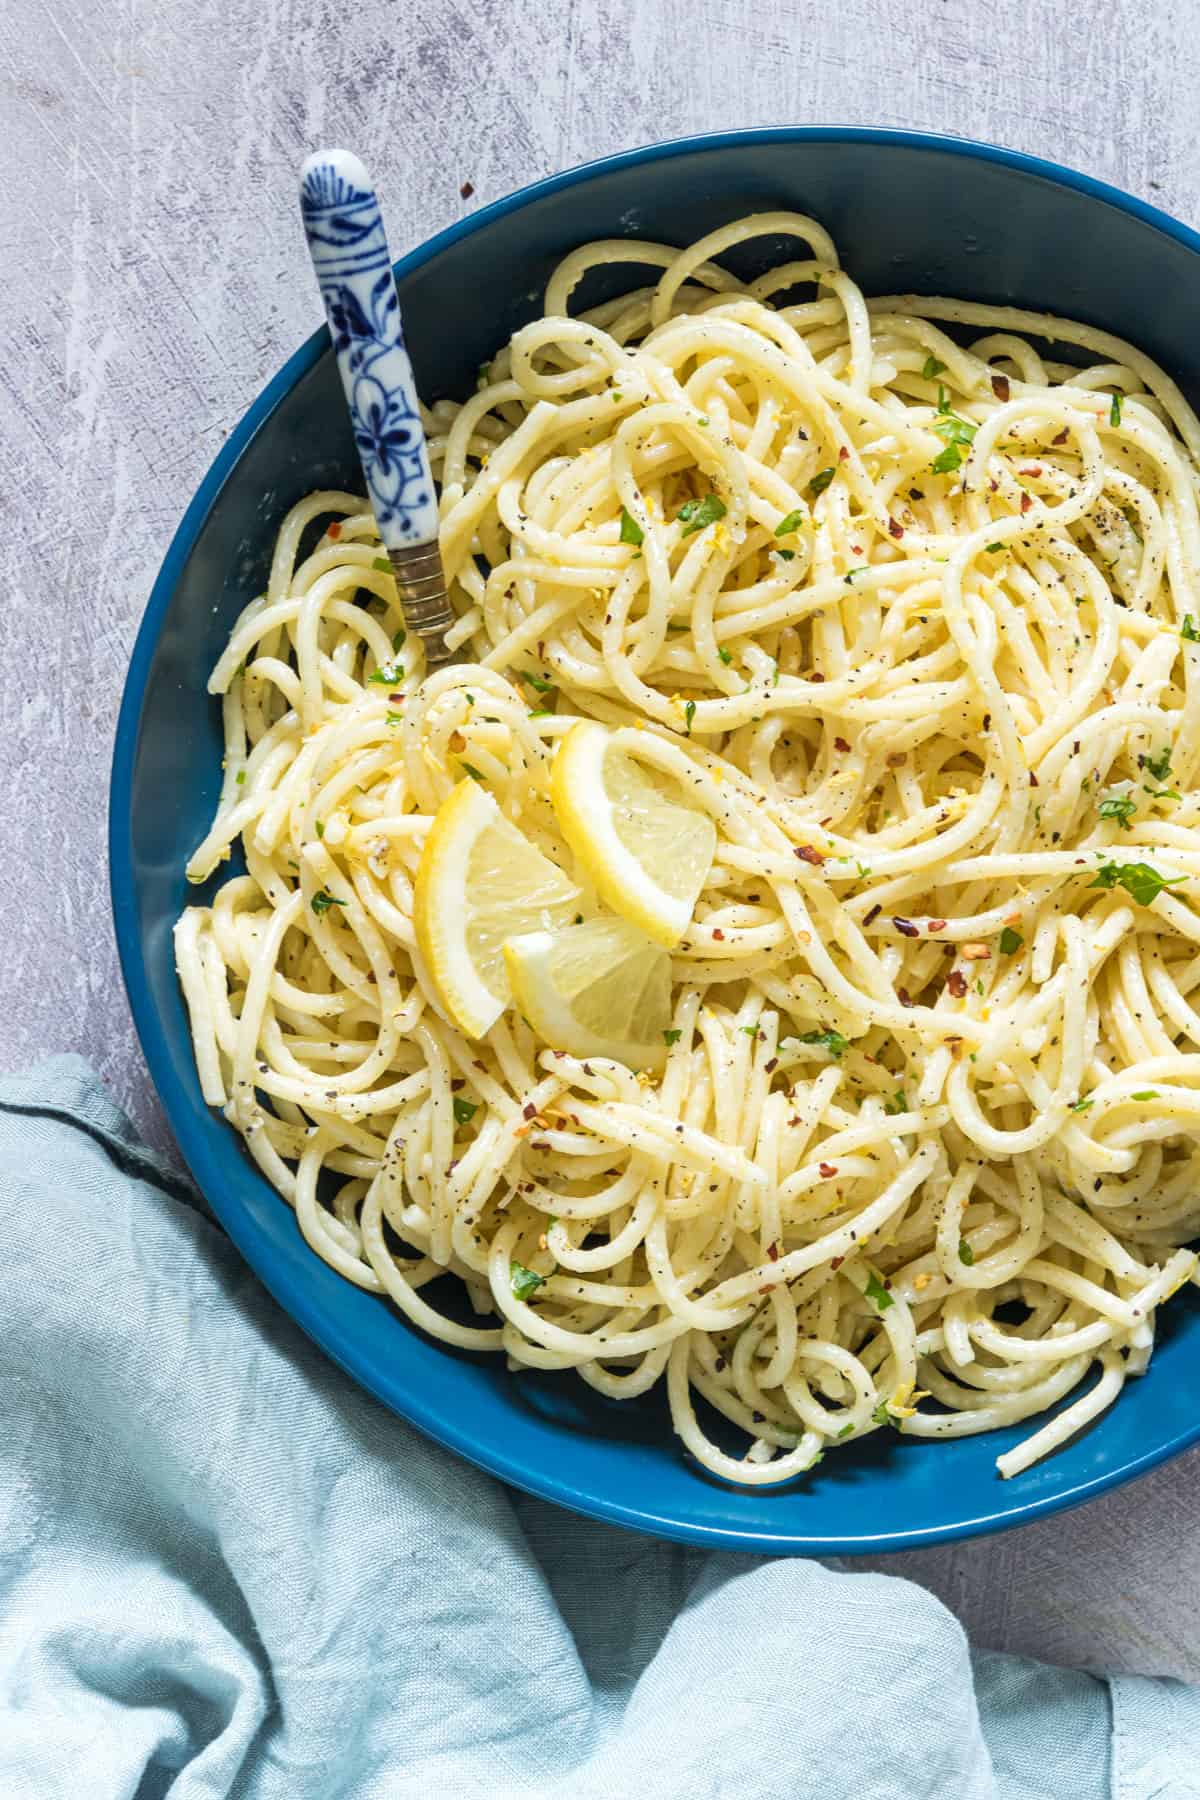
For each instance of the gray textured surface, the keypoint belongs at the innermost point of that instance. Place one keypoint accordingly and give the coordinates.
(155, 276)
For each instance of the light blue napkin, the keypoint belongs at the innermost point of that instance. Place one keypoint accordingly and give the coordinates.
(226, 1572)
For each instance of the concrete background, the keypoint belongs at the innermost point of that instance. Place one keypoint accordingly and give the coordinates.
(155, 276)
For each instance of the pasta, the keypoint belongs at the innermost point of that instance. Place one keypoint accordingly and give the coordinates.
(897, 590)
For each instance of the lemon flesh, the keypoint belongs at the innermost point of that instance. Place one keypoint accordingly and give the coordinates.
(641, 843)
(479, 881)
(597, 989)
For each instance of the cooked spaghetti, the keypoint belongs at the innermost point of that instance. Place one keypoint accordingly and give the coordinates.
(818, 777)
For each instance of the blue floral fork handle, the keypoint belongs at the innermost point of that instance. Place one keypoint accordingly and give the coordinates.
(350, 255)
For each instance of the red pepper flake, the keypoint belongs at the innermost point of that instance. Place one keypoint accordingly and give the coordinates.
(935, 925)
(1063, 435)
(896, 528)
(1034, 469)
(956, 981)
(1026, 502)
(335, 530)
(872, 915)
(773, 1252)
(529, 1112)
(720, 936)
(904, 997)
(1000, 387)
(816, 676)
(467, 189)
(1033, 780)
(843, 454)
(839, 743)
(807, 854)
(906, 927)
(837, 1262)
(827, 1170)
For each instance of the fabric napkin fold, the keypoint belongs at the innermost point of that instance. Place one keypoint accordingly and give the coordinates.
(224, 1571)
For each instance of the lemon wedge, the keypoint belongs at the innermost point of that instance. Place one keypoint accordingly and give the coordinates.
(635, 834)
(597, 989)
(479, 881)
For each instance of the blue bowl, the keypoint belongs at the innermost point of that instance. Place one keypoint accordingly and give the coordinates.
(908, 211)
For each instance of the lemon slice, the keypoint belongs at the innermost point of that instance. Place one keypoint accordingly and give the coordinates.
(642, 844)
(598, 989)
(479, 881)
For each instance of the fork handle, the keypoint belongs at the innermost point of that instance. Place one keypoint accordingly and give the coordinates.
(349, 250)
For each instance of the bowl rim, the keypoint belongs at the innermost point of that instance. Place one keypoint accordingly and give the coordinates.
(188, 1127)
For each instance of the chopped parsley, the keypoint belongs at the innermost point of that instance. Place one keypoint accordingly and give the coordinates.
(726, 656)
(696, 514)
(1145, 1094)
(1188, 631)
(631, 531)
(540, 683)
(1140, 881)
(1158, 767)
(464, 1111)
(794, 520)
(991, 549)
(689, 713)
(386, 677)
(845, 1431)
(933, 368)
(947, 461)
(524, 1281)
(1082, 1105)
(786, 555)
(876, 1291)
(1120, 807)
(240, 778)
(829, 1040)
(881, 1415)
(965, 1253)
(1114, 411)
(471, 770)
(949, 426)
(673, 1036)
(398, 640)
(322, 901)
(848, 578)
(1010, 940)
(953, 432)
(820, 481)
(383, 565)
(897, 1104)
